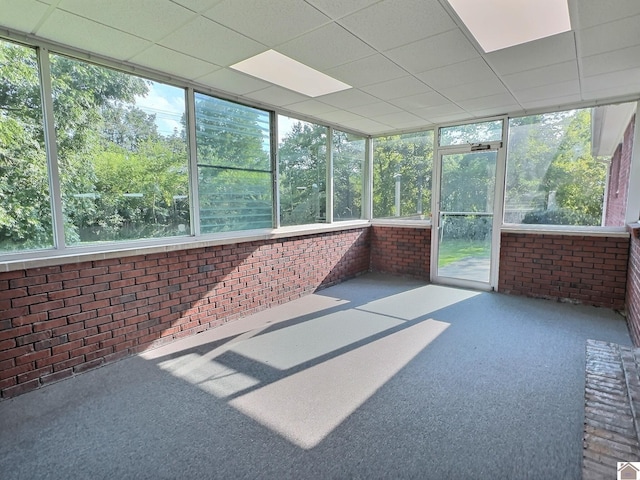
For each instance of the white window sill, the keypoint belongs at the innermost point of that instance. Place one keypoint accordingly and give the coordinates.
(48, 258)
(567, 230)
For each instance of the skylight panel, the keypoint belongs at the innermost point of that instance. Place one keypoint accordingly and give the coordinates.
(498, 24)
(281, 70)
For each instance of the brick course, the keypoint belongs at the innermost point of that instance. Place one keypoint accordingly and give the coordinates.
(61, 320)
(578, 268)
(633, 285)
(401, 251)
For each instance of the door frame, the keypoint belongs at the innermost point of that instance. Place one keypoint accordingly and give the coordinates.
(498, 207)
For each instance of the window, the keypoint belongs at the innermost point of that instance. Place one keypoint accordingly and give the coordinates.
(234, 166)
(122, 154)
(302, 154)
(348, 175)
(552, 175)
(25, 212)
(402, 176)
(471, 133)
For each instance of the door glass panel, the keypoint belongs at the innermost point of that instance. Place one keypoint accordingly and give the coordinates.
(466, 215)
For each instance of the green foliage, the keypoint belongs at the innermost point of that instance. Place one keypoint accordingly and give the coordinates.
(302, 170)
(107, 148)
(234, 166)
(348, 180)
(562, 216)
(409, 159)
(550, 167)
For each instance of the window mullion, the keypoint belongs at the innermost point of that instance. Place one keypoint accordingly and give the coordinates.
(51, 148)
(193, 162)
(329, 188)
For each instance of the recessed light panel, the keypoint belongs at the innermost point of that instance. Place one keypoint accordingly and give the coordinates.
(498, 24)
(288, 73)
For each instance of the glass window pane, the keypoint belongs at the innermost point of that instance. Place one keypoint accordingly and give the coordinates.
(302, 164)
(348, 176)
(25, 204)
(552, 175)
(234, 166)
(122, 154)
(471, 133)
(402, 176)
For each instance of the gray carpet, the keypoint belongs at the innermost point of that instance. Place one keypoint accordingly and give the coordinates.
(378, 377)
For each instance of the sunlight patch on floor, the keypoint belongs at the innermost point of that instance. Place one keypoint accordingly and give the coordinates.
(307, 406)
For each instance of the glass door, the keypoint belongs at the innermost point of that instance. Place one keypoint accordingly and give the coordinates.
(467, 205)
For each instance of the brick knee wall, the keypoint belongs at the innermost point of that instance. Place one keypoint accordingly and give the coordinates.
(401, 251)
(633, 286)
(580, 268)
(61, 320)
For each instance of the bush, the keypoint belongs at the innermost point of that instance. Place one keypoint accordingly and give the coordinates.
(561, 216)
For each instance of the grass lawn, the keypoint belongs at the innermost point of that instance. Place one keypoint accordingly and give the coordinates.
(453, 250)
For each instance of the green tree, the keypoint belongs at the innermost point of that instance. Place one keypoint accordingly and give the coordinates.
(302, 174)
(407, 159)
(234, 166)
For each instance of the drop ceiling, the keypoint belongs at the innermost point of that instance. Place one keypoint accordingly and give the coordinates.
(411, 63)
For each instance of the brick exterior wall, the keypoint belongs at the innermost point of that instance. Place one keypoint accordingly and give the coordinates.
(582, 269)
(633, 286)
(619, 179)
(61, 320)
(401, 251)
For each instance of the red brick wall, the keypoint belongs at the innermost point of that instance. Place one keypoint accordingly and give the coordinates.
(633, 286)
(619, 179)
(401, 251)
(61, 320)
(583, 269)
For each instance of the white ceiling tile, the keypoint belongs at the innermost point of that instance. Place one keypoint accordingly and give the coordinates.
(474, 90)
(375, 109)
(286, 19)
(399, 119)
(311, 107)
(595, 12)
(560, 72)
(276, 96)
(399, 87)
(175, 63)
(469, 71)
(450, 118)
(90, 36)
(369, 126)
(482, 103)
(339, 8)
(611, 61)
(197, 5)
(149, 19)
(439, 111)
(209, 41)
(424, 100)
(558, 103)
(21, 15)
(494, 111)
(233, 82)
(437, 51)
(373, 69)
(341, 117)
(326, 47)
(627, 80)
(393, 23)
(348, 98)
(610, 36)
(527, 56)
(628, 92)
